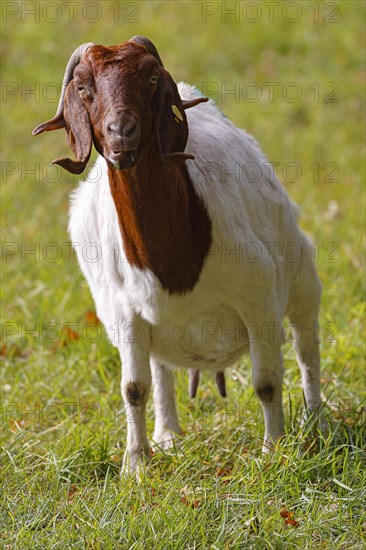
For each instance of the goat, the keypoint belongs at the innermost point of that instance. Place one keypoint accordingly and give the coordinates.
(196, 266)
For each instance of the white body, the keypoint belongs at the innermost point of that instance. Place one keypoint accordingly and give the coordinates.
(260, 268)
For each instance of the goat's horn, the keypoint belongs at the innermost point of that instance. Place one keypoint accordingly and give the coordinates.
(57, 120)
(143, 41)
(188, 103)
(72, 63)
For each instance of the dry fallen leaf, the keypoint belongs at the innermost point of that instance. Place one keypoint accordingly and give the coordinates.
(16, 425)
(289, 518)
(292, 522)
(190, 503)
(12, 351)
(70, 335)
(71, 493)
(92, 318)
(223, 473)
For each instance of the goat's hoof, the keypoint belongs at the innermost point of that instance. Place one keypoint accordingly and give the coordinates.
(316, 420)
(270, 445)
(267, 448)
(135, 464)
(166, 439)
(324, 425)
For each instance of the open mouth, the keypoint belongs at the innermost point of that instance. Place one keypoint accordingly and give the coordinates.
(122, 159)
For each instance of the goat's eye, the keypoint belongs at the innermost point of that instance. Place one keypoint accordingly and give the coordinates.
(153, 79)
(80, 87)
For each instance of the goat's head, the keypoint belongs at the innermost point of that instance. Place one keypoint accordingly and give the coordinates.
(123, 100)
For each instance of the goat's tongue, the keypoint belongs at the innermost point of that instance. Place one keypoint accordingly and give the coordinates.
(121, 159)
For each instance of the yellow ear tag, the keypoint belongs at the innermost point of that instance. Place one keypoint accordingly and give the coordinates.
(177, 113)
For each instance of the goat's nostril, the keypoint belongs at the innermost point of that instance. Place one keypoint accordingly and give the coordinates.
(130, 131)
(114, 128)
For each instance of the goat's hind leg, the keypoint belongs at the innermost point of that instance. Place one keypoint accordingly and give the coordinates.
(303, 314)
(267, 373)
(166, 419)
(264, 331)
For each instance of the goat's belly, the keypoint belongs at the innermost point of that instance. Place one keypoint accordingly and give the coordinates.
(213, 340)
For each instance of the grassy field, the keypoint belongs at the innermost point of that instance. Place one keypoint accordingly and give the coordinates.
(292, 74)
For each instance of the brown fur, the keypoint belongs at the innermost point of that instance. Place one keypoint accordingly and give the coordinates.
(135, 394)
(265, 393)
(165, 227)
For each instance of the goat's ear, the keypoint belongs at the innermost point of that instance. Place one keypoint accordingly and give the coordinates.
(170, 121)
(78, 132)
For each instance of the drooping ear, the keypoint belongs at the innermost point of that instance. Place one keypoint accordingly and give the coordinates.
(78, 132)
(170, 121)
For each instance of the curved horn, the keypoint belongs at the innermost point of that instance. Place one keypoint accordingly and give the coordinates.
(151, 48)
(143, 41)
(188, 103)
(72, 63)
(57, 121)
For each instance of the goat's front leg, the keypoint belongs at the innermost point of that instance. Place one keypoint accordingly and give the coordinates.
(166, 419)
(267, 373)
(135, 388)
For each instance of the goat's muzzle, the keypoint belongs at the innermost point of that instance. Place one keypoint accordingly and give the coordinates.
(122, 138)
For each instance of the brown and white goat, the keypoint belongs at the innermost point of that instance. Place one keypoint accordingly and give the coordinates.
(200, 261)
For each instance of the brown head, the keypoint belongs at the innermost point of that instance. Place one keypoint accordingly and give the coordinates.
(123, 100)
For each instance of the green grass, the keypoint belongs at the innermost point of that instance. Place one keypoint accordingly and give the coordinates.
(64, 430)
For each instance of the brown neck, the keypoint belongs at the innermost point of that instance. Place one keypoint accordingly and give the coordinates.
(165, 226)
